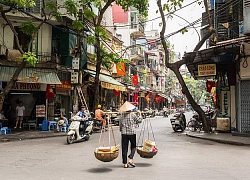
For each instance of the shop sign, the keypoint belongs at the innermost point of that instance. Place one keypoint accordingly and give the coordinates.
(206, 69)
(40, 111)
(28, 87)
(112, 86)
(66, 85)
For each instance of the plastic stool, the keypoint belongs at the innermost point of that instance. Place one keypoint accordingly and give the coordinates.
(4, 130)
(64, 129)
(8, 131)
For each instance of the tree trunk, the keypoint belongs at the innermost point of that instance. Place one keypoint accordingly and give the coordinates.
(98, 70)
(175, 66)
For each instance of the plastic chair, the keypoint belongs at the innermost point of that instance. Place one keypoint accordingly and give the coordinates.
(45, 125)
(64, 129)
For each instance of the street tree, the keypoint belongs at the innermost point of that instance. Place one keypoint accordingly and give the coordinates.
(102, 57)
(27, 27)
(85, 18)
(171, 6)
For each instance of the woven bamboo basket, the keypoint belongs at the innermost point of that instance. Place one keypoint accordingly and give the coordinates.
(145, 154)
(106, 156)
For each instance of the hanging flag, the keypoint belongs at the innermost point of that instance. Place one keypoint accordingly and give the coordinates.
(135, 97)
(135, 80)
(116, 92)
(120, 68)
(210, 85)
(147, 98)
(49, 92)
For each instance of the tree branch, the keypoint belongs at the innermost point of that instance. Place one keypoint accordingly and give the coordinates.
(164, 44)
(103, 10)
(13, 30)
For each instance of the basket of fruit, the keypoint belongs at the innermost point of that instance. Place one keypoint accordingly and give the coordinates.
(107, 154)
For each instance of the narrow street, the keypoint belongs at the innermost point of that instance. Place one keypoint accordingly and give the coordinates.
(179, 157)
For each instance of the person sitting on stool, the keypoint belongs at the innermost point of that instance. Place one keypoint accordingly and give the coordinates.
(63, 121)
(3, 120)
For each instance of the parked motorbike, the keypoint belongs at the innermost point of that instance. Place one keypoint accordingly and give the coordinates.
(76, 130)
(166, 113)
(178, 122)
(148, 113)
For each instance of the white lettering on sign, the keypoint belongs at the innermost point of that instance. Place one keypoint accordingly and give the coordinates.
(27, 86)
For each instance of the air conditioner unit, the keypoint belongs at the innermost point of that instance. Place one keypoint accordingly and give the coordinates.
(74, 77)
(75, 63)
(246, 16)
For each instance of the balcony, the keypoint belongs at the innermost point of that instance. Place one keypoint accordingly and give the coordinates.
(52, 58)
(138, 29)
(137, 54)
(38, 7)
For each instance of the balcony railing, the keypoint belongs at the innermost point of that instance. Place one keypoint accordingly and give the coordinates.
(137, 51)
(53, 58)
(38, 7)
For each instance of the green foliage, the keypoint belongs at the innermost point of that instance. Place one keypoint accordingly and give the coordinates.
(72, 8)
(30, 58)
(101, 32)
(19, 3)
(91, 40)
(53, 8)
(184, 31)
(172, 5)
(78, 25)
(28, 27)
(197, 89)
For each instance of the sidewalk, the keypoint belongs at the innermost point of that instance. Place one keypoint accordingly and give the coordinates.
(233, 138)
(220, 137)
(19, 135)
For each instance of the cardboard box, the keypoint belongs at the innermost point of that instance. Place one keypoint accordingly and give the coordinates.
(223, 124)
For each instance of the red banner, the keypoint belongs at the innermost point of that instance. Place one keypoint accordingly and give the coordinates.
(135, 97)
(49, 92)
(135, 80)
(210, 85)
(116, 92)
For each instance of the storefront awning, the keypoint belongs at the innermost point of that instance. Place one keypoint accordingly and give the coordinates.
(108, 82)
(163, 95)
(30, 75)
(221, 54)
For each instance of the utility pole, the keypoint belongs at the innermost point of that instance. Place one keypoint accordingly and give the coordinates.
(76, 76)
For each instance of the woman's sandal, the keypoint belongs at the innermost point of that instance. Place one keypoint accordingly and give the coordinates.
(125, 165)
(131, 164)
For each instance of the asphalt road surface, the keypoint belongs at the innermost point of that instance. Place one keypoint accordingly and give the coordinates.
(179, 157)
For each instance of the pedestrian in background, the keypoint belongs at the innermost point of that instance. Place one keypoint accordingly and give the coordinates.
(128, 133)
(20, 112)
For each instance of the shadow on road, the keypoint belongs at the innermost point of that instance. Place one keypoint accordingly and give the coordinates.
(99, 170)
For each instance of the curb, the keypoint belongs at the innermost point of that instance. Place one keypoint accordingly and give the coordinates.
(219, 140)
(9, 139)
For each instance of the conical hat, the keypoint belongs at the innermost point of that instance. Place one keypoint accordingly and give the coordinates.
(127, 106)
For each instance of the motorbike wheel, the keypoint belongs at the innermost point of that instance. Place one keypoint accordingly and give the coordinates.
(70, 139)
(86, 138)
(192, 126)
(177, 127)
